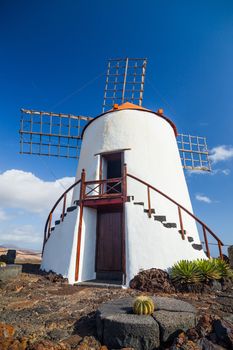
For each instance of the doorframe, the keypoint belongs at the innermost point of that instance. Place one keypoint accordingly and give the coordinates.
(102, 154)
(123, 231)
(101, 163)
(112, 209)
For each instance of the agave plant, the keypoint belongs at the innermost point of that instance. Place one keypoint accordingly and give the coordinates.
(223, 268)
(185, 271)
(208, 270)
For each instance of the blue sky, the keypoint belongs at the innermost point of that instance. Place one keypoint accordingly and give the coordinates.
(51, 49)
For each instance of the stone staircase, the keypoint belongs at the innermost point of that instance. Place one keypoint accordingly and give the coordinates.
(163, 220)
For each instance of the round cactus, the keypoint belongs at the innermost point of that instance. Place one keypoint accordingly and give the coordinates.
(2, 264)
(143, 306)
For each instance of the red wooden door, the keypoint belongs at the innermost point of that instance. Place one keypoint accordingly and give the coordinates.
(109, 242)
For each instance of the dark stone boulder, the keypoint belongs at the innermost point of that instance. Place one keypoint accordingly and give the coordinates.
(226, 302)
(10, 256)
(224, 332)
(138, 332)
(172, 323)
(152, 280)
(173, 305)
(118, 327)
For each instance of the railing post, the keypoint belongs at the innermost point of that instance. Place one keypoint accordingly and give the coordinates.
(81, 198)
(220, 250)
(124, 182)
(206, 241)
(63, 208)
(181, 223)
(82, 186)
(149, 202)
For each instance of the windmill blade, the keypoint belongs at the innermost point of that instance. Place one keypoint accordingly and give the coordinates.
(193, 152)
(51, 134)
(124, 81)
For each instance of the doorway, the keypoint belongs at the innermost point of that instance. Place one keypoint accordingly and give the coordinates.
(109, 244)
(111, 168)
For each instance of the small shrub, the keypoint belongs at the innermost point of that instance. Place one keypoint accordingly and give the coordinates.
(143, 306)
(208, 270)
(200, 271)
(223, 268)
(186, 272)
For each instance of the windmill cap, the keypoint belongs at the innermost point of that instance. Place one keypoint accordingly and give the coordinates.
(128, 105)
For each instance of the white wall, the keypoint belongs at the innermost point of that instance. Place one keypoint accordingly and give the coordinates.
(149, 244)
(88, 245)
(59, 251)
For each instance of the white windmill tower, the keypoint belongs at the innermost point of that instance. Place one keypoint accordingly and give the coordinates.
(131, 208)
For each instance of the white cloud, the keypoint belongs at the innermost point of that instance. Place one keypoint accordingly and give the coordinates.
(23, 190)
(21, 236)
(226, 171)
(212, 172)
(3, 215)
(221, 153)
(202, 198)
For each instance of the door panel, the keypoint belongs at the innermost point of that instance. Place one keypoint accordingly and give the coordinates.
(109, 241)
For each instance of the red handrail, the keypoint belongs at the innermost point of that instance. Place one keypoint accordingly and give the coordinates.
(49, 219)
(220, 243)
(124, 193)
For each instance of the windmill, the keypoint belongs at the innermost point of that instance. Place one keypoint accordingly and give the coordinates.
(129, 179)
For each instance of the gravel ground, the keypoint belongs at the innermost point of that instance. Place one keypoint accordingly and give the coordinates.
(46, 307)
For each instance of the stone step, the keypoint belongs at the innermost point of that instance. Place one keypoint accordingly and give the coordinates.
(69, 209)
(197, 246)
(147, 211)
(100, 284)
(185, 232)
(130, 198)
(138, 203)
(170, 224)
(160, 218)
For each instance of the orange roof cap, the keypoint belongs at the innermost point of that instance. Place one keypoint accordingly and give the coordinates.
(128, 105)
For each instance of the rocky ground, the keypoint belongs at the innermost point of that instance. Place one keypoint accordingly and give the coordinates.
(43, 310)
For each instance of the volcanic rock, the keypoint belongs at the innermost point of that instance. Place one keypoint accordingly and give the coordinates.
(152, 280)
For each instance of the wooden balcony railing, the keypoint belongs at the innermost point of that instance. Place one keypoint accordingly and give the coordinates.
(103, 188)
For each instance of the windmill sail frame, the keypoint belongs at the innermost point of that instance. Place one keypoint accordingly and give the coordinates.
(51, 134)
(193, 152)
(124, 81)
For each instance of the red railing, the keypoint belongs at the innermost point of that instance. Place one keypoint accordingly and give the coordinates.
(103, 188)
(117, 187)
(180, 209)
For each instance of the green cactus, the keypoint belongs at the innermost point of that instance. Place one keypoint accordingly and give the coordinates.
(143, 305)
